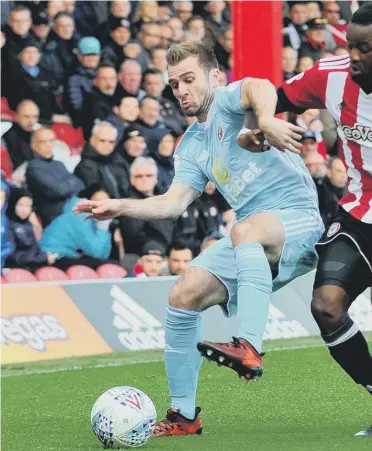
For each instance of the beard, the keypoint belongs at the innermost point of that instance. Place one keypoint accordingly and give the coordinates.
(203, 108)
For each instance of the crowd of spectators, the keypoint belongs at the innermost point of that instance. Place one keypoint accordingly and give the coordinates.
(87, 113)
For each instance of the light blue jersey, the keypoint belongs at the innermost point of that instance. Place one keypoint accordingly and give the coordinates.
(250, 182)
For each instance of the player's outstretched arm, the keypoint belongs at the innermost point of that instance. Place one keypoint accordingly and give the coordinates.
(261, 96)
(167, 206)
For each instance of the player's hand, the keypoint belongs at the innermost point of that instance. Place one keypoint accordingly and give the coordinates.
(99, 209)
(282, 134)
(253, 140)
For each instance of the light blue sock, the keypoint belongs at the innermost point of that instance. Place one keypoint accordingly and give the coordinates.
(254, 292)
(182, 359)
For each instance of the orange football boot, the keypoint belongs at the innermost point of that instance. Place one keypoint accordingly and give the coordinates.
(238, 355)
(176, 424)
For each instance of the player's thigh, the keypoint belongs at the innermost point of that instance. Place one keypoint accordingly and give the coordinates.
(216, 281)
(197, 289)
(342, 265)
(264, 228)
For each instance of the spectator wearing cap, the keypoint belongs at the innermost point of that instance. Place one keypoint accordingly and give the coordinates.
(77, 242)
(164, 161)
(132, 145)
(295, 25)
(309, 143)
(98, 104)
(119, 36)
(150, 123)
(136, 232)
(289, 62)
(100, 165)
(124, 115)
(80, 82)
(331, 188)
(151, 261)
(316, 39)
(17, 140)
(154, 85)
(26, 250)
(40, 27)
(48, 180)
(215, 23)
(30, 81)
(59, 52)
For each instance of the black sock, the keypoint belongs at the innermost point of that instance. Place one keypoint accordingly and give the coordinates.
(354, 357)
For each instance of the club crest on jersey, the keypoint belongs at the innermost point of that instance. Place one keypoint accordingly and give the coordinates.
(219, 171)
(333, 229)
(219, 133)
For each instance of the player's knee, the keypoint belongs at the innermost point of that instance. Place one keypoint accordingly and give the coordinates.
(327, 307)
(183, 296)
(243, 232)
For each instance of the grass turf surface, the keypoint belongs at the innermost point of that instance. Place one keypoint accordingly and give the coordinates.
(303, 402)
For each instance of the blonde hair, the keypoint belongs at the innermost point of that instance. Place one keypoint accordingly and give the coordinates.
(180, 52)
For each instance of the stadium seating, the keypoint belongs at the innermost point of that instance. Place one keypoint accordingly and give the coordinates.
(6, 162)
(50, 274)
(71, 136)
(81, 272)
(6, 113)
(19, 276)
(111, 271)
(137, 269)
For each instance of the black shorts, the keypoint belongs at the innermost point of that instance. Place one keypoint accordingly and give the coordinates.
(345, 255)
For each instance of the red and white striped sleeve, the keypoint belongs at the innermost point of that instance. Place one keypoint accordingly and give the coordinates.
(308, 89)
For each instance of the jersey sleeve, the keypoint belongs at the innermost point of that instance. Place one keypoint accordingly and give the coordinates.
(308, 89)
(186, 169)
(227, 99)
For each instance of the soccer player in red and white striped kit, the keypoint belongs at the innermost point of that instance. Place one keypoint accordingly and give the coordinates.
(343, 85)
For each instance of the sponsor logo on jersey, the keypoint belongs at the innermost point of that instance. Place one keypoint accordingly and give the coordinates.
(333, 229)
(358, 132)
(220, 172)
(219, 133)
(138, 329)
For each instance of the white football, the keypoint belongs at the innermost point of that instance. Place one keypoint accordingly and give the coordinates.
(123, 417)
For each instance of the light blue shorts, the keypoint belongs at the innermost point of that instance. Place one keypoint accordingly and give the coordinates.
(298, 256)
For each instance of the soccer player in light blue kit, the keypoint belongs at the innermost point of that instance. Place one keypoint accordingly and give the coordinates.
(272, 242)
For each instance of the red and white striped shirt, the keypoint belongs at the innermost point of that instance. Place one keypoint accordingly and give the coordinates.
(329, 85)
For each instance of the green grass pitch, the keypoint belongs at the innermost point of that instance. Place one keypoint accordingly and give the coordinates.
(303, 402)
